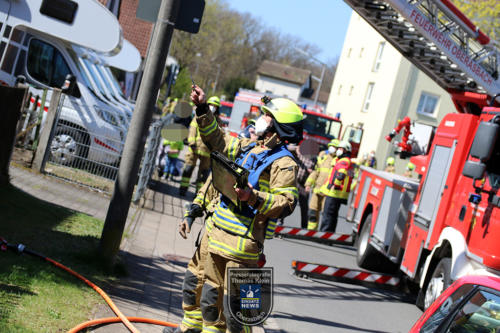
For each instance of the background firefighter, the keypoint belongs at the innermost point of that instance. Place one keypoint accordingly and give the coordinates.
(337, 187)
(239, 233)
(197, 150)
(317, 178)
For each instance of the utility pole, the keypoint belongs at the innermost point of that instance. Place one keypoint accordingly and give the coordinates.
(134, 144)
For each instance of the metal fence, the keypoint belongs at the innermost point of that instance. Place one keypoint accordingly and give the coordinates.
(149, 157)
(86, 155)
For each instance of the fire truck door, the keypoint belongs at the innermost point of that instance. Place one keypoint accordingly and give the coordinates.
(433, 187)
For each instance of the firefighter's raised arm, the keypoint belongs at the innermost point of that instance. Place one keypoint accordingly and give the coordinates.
(212, 135)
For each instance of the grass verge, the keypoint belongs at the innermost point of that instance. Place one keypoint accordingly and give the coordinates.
(34, 295)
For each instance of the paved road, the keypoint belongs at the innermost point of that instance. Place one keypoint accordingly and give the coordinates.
(323, 306)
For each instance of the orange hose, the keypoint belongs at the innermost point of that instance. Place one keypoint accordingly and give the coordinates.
(111, 320)
(108, 300)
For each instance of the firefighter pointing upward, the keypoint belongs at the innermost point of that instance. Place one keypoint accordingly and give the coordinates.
(198, 151)
(239, 233)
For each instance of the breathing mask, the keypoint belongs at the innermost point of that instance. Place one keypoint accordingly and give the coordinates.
(261, 125)
(332, 150)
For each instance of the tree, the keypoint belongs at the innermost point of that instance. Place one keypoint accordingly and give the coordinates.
(234, 84)
(484, 13)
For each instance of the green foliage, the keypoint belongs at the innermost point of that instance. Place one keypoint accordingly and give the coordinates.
(483, 13)
(182, 86)
(232, 85)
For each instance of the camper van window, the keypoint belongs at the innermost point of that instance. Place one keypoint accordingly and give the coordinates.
(47, 65)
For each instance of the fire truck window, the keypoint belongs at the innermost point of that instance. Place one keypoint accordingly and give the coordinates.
(445, 309)
(9, 58)
(317, 125)
(480, 314)
(493, 167)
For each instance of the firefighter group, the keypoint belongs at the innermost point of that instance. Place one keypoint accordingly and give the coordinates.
(280, 176)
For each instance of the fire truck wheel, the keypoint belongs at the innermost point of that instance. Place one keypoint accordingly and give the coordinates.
(439, 281)
(366, 255)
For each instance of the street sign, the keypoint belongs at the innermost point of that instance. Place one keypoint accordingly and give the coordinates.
(188, 18)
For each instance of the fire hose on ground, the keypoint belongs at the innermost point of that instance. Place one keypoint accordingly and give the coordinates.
(127, 321)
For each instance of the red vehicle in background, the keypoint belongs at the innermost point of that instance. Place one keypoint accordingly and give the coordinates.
(471, 304)
(225, 110)
(319, 127)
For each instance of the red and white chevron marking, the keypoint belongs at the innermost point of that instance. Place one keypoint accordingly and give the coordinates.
(325, 235)
(332, 271)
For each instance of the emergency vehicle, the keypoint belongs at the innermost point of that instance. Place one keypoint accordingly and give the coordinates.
(319, 127)
(446, 224)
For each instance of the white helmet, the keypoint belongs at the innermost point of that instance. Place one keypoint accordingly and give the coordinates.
(346, 145)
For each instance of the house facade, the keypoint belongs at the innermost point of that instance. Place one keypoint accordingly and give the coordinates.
(291, 82)
(375, 85)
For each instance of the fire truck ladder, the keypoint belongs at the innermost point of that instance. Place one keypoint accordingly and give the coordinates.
(437, 38)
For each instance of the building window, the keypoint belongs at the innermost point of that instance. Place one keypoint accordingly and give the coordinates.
(427, 104)
(361, 52)
(349, 53)
(350, 90)
(368, 97)
(378, 57)
(340, 89)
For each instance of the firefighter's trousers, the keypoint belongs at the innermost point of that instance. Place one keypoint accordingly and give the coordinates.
(214, 307)
(190, 163)
(191, 289)
(331, 213)
(315, 207)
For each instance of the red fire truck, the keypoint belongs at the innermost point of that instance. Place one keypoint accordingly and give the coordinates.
(319, 127)
(446, 224)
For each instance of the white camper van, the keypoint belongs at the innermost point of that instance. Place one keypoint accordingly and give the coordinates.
(37, 42)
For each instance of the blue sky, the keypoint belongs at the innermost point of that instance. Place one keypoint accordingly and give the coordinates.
(320, 22)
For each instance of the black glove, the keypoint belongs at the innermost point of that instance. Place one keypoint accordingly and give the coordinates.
(202, 109)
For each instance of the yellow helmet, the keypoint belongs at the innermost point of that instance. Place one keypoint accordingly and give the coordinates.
(287, 118)
(410, 166)
(214, 100)
(390, 161)
(334, 143)
(283, 110)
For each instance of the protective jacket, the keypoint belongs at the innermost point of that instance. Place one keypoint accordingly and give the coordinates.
(338, 184)
(321, 171)
(194, 139)
(240, 231)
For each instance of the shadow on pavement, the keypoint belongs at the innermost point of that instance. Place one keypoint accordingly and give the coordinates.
(322, 322)
(334, 291)
(162, 293)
